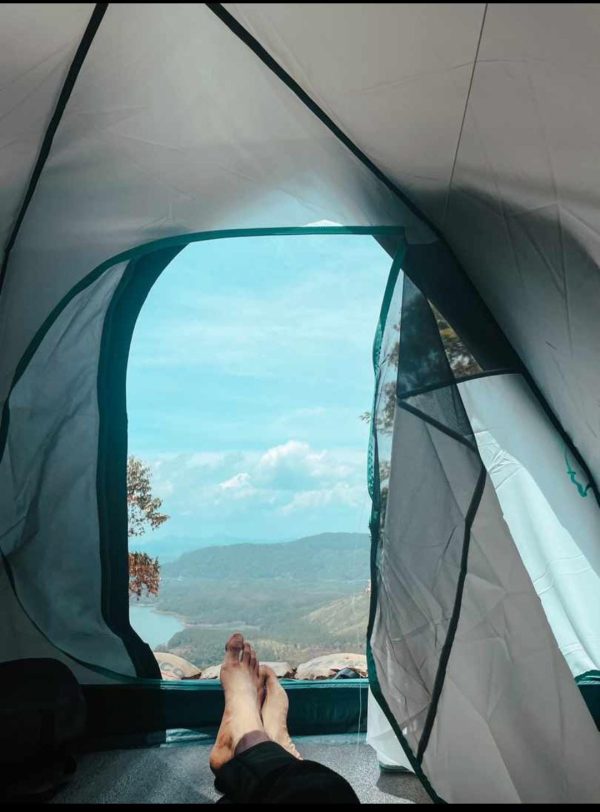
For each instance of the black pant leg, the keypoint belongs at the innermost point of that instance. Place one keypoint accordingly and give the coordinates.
(267, 773)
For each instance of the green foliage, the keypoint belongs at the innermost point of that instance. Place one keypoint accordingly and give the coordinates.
(461, 362)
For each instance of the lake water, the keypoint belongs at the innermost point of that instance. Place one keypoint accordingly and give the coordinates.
(152, 626)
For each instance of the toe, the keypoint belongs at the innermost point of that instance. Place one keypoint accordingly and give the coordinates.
(246, 654)
(234, 647)
(268, 675)
(262, 684)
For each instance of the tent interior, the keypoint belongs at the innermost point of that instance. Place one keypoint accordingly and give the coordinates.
(464, 139)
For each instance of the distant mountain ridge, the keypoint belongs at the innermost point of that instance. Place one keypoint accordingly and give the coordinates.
(168, 548)
(326, 556)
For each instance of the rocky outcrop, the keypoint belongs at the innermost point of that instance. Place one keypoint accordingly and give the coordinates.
(282, 670)
(212, 672)
(329, 665)
(174, 667)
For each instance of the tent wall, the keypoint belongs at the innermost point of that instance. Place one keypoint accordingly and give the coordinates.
(511, 725)
(526, 180)
(550, 510)
(48, 478)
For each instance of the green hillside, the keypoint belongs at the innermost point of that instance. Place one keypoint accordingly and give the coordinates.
(347, 616)
(293, 599)
(328, 556)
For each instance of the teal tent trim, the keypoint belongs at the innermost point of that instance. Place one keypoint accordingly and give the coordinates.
(111, 482)
(139, 713)
(589, 685)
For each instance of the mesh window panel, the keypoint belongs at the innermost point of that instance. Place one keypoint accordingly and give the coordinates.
(448, 573)
(427, 458)
(49, 535)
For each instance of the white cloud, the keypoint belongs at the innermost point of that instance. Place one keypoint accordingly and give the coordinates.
(296, 466)
(291, 479)
(290, 466)
(239, 486)
(340, 494)
(237, 482)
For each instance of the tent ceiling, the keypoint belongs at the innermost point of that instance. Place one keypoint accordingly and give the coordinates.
(394, 76)
(37, 44)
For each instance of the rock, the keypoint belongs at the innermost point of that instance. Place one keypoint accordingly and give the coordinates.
(282, 670)
(174, 667)
(347, 673)
(212, 672)
(329, 665)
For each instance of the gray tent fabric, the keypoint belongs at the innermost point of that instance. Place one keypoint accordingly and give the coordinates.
(54, 415)
(553, 519)
(464, 137)
(39, 41)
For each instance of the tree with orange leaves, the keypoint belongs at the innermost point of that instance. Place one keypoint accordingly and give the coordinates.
(143, 511)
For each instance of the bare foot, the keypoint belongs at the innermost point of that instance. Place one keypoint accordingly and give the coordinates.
(274, 710)
(241, 682)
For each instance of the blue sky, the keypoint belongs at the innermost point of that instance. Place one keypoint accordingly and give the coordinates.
(249, 368)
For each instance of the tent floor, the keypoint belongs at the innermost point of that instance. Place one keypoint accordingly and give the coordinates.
(180, 774)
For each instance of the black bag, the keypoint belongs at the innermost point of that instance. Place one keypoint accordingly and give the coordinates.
(42, 714)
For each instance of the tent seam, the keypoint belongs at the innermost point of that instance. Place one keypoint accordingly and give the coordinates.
(261, 52)
(453, 625)
(63, 100)
(464, 116)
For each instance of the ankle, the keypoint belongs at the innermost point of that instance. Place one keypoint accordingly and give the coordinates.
(249, 740)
